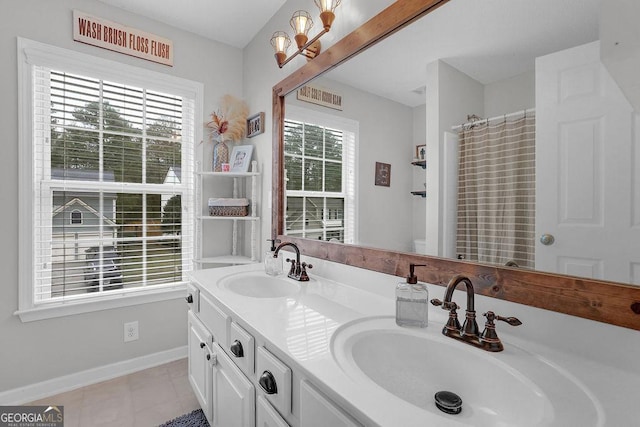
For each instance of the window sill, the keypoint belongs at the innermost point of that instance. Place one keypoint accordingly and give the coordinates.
(71, 308)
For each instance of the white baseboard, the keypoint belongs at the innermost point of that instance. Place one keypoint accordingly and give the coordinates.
(30, 393)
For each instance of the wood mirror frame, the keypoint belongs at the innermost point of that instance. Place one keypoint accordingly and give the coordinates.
(613, 303)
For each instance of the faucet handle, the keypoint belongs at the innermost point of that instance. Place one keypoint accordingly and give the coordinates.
(445, 305)
(304, 277)
(491, 316)
(489, 338)
(436, 302)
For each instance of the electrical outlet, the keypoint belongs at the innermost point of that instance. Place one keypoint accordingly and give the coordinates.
(131, 331)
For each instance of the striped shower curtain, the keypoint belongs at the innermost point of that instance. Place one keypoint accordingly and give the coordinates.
(496, 192)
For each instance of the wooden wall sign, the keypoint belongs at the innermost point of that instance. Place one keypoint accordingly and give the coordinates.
(255, 125)
(120, 38)
(319, 96)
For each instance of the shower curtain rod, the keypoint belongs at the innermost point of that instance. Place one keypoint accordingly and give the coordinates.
(504, 116)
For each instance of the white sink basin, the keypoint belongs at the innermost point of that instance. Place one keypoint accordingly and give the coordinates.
(259, 285)
(510, 388)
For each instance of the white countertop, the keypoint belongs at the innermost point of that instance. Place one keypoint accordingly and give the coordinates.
(601, 357)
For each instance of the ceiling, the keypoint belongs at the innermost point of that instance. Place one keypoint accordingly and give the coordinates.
(489, 40)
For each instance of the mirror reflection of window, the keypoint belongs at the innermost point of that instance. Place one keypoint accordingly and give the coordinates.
(319, 183)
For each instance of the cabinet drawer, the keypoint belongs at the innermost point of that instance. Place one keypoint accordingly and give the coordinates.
(274, 380)
(214, 319)
(316, 410)
(266, 416)
(241, 348)
(193, 297)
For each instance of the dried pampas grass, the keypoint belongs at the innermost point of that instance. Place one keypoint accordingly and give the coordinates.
(229, 123)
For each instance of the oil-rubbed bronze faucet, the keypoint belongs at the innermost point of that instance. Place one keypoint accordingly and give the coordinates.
(468, 332)
(298, 270)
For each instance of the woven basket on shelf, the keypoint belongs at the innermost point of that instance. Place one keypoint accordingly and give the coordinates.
(228, 207)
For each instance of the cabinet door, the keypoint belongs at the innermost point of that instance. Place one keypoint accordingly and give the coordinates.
(233, 395)
(318, 411)
(199, 365)
(266, 416)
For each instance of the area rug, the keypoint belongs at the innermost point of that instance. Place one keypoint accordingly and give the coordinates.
(192, 419)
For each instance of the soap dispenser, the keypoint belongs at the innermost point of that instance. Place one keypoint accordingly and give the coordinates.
(412, 301)
(272, 266)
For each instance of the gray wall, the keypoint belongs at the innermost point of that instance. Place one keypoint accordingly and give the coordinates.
(41, 350)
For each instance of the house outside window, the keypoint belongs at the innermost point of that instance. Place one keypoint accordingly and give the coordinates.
(102, 139)
(319, 157)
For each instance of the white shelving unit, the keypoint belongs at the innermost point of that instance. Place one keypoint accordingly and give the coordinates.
(251, 221)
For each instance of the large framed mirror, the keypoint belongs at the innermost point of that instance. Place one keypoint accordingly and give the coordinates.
(611, 299)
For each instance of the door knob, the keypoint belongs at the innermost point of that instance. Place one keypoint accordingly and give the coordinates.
(189, 299)
(547, 239)
(268, 383)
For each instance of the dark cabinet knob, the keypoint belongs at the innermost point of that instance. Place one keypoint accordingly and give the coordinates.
(202, 345)
(236, 349)
(208, 356)
(189, 299)
(268, 383)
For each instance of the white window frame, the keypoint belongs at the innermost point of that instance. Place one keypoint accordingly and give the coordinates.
(30, 55)
(349, 170)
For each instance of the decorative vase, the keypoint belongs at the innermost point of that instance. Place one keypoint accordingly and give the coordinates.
(220, 155)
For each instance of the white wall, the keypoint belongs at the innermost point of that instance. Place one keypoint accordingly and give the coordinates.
(37, 351)
(620, 45)
(510, 95)
(419, 204)
(451, 95)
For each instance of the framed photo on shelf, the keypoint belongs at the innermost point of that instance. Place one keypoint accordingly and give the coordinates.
(240, 158)
(421, 151)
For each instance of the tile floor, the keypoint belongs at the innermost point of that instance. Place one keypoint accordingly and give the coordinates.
(143, 399)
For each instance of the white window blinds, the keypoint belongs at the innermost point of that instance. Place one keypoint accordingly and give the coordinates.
(119, 156)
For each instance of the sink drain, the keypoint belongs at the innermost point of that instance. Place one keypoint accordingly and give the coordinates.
(448, 402)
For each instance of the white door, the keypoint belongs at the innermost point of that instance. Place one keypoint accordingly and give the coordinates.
(233, 395)
(584, 169)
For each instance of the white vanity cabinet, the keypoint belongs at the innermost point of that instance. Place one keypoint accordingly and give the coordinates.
(240, 382)
(316, 410)
(233, 395)
(266, 416)
(199, 352)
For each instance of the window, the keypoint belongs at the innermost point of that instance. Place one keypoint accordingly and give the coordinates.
(102, 139)
(76, 217)
(320, 187)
